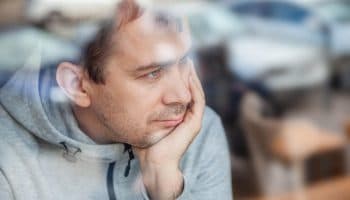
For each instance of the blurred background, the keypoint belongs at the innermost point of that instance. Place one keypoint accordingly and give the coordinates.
(276, 71)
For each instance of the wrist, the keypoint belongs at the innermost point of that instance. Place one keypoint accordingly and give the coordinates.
(162, 182)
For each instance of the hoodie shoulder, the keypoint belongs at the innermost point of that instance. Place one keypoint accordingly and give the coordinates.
(210, 116)
(13, 133)
(206, 164)
(211, 124)
(211, 136)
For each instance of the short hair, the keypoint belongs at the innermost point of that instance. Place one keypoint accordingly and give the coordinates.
(104, 43)
(99, 48)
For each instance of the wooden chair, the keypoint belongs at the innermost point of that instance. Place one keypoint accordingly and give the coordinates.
(280, 147)
(272, 175)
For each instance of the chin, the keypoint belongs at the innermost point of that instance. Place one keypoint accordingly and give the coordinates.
(154, 138)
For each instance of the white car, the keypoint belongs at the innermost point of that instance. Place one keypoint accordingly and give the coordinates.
(279, 64)
(322, 22)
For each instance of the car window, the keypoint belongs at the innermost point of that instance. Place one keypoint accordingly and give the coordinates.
(287, 12)
(257, 9)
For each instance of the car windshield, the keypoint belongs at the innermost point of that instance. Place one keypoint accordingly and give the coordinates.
(335, 10)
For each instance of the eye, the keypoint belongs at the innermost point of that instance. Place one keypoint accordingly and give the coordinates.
(154, 74)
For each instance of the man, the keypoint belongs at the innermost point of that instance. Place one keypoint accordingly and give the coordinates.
(135, 92)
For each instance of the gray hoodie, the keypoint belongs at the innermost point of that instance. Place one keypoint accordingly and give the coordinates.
(44, 154)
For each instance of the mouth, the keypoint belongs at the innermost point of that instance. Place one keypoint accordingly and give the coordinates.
(168, 123)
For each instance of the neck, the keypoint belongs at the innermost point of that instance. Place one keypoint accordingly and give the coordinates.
(91, 125)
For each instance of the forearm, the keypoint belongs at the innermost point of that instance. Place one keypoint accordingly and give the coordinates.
(162, 182)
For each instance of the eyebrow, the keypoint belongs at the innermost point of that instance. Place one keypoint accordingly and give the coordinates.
(160, 64)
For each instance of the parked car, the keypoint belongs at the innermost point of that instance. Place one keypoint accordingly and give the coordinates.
(278, 63)
(282, 65)
(321, 22)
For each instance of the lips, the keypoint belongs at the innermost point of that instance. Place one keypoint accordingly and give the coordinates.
(170, 122)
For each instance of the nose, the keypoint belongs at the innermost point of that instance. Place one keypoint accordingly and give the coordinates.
(177, 88)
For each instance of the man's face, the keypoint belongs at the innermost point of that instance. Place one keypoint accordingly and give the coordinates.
(146, 92)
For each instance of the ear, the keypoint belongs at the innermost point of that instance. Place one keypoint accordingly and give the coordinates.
(72, 81)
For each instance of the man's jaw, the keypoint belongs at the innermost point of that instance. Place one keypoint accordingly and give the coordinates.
(152, 139)
(164, 127)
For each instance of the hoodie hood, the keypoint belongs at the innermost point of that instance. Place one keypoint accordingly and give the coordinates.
(21, 98)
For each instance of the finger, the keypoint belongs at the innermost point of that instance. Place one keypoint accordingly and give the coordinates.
(183, 135)
(187, 131)
(198, 100)
(197, 81)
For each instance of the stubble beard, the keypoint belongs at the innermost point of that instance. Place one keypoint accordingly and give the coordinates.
(126, 127)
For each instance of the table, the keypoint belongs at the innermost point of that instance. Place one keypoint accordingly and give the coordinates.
(335, 189)
(299, 140)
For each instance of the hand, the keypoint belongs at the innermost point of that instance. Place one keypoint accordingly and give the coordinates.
(160, 162)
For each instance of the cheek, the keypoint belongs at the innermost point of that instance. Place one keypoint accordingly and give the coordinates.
(118, 113)
(140, 101)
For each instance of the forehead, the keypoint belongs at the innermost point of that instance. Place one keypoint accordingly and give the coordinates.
(153, 37)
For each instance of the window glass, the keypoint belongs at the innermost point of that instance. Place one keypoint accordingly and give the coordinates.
(335, 10)
(251, 8)
(288, 12)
